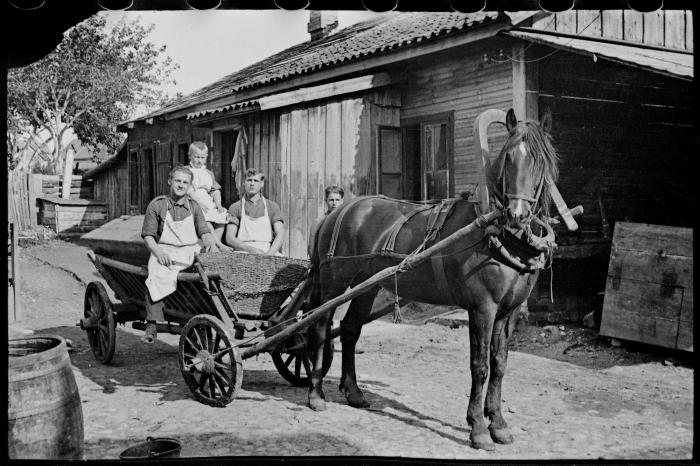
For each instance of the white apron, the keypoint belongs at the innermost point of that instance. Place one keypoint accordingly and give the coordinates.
(256, 232)
(201, 185)
(179, 241)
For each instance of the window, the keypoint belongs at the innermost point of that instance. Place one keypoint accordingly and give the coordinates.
(435, 172)
(391, 178)
(428, 157)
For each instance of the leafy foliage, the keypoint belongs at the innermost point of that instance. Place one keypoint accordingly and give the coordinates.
(95, 78)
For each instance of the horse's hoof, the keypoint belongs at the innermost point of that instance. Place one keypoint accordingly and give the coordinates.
(356, 400)
(502, 436)
(482, 442)
(316, 403)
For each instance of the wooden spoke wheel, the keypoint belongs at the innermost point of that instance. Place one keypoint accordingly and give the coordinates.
(210, 365)
(102, 335)
(293, 363)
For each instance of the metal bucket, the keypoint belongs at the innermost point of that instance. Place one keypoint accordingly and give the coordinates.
(153, 448)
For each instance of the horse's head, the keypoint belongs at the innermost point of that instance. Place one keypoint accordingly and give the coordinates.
(524, 168)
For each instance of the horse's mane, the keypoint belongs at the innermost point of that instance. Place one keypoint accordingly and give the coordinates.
(539, 146)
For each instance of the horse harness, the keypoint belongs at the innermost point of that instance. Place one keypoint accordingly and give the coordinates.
(439, 212)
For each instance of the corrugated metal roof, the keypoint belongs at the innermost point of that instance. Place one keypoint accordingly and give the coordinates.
(355, 42)
(661, 61)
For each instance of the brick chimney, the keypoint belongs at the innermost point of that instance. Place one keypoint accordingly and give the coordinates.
(321, 23)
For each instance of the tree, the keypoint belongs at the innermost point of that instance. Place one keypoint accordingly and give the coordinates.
(95, 78)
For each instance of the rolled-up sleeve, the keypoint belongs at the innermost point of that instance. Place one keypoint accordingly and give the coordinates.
(151, 220)
(200, 224)
(275, 213)
(235, 212)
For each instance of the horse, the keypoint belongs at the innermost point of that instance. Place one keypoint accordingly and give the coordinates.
(484, 277)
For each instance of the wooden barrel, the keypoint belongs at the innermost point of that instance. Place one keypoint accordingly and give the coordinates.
(45, 418)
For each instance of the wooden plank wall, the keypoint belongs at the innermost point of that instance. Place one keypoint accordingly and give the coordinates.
(111, 186)
(18, 197)
(162, 141)
(649, 292)
(305, 148)
(466, 84)
(623, 131)
(666, 28)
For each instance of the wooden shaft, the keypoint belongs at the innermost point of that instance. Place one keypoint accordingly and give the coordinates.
(410, 262)
(564, 211)
(481, 126)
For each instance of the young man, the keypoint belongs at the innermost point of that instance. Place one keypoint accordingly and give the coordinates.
(334, 198)
(256, 224)
(172, 226)
(206, 191)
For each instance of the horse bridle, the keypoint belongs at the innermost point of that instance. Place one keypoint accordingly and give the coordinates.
(544, 244)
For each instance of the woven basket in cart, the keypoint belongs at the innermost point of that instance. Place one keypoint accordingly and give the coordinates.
(256, 285)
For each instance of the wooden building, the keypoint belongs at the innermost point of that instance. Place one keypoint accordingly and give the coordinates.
(387, 106)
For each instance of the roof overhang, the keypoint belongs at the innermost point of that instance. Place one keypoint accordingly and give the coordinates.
(423, 48)
(297, 96)
(676, 64)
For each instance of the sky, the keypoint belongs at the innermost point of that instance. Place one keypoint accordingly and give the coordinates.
(211, 44)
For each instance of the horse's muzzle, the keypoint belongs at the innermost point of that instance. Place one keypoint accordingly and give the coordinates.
(517, 211)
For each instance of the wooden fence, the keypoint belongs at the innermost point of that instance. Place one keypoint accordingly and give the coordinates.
(24, 188)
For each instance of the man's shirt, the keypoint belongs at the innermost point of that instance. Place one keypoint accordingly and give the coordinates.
(256, 210)
(179, 210)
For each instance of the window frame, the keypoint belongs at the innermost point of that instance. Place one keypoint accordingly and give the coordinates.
(446, 118)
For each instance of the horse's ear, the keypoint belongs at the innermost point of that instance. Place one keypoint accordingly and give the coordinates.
(546, 121)
(511, 121)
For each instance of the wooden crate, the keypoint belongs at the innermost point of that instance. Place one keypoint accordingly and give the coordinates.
(649, 289)
(71, 216)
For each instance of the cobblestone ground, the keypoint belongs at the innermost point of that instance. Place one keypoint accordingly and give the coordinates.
(416, 378)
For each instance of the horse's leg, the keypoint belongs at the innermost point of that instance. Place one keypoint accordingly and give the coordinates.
(480, 327)
(350, 329)
(502, 330)
(318, 337)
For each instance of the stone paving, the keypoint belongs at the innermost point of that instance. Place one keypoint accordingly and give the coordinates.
(415, 376)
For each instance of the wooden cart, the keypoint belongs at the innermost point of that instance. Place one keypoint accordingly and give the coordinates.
(219, 325)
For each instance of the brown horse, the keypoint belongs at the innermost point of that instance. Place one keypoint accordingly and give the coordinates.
(371, 233)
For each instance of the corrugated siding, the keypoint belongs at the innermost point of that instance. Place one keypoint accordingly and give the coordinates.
(465, 84)
(624, 131)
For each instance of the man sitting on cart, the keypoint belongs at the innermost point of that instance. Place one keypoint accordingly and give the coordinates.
(172, 227)
(257, 225)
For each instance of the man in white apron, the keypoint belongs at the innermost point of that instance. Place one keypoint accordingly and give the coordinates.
(171, 230)
(257, 225)
(206, 191)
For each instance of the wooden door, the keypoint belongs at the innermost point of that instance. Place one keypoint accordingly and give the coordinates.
(229, 193)
(163, 164)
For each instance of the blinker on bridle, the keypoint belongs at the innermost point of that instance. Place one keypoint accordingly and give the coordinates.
(532, 200)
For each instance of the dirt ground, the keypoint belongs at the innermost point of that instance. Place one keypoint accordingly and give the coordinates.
(567, 393)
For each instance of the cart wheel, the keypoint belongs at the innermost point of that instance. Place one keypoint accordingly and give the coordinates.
(295, 366)
(103, 336)
(210, 365)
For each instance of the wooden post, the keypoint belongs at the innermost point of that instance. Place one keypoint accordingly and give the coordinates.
(34, 187)
(68, 173)
(14, 270)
